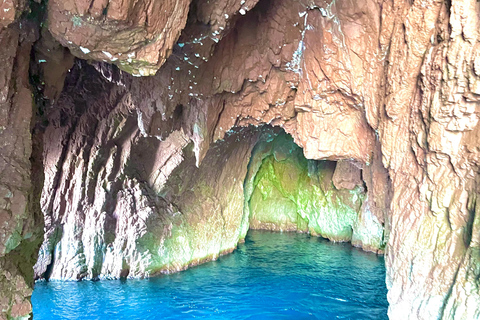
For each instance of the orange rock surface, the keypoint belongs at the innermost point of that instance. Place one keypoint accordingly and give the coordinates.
(389, 89)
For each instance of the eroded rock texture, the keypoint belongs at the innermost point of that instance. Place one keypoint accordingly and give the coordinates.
(21, 221)
(387, 89)
(429, 134)
(110, 210)
(138, 36)
(286, 192)
(121, 203)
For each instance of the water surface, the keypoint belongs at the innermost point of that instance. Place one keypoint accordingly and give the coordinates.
(271, 276)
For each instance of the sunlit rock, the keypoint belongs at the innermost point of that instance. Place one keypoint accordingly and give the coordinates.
(387, 90)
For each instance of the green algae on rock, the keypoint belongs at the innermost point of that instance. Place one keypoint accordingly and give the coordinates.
(287, 192)
(204, 206)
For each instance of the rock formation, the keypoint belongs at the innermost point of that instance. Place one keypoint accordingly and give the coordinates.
(286, 192)
(152, 174)
(110, 210)
(21, 176)
(121, 203)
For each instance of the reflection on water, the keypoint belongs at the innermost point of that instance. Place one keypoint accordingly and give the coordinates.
(271, 276)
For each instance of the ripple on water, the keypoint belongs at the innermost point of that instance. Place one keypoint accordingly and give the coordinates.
(271, 276)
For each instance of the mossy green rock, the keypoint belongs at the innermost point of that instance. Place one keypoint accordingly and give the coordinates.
(202, 216)
(291, 193)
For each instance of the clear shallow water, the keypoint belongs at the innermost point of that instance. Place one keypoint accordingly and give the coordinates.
(271, 276)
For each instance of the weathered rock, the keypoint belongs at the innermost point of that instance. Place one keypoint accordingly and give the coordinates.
(136, 35)
(9, 11)
(110, 211)
(286, 192)
(375, 209)
(429, 134)
(391, 86)
(347, 175)
(21, 221)
(126, 204)
(342, 79)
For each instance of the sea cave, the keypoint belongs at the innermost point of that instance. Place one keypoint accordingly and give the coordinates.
(256, 159)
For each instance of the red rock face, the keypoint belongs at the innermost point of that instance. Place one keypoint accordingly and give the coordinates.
(393, 86)
(21, 221)
(138, 35)
(427, 135)
(9, 11)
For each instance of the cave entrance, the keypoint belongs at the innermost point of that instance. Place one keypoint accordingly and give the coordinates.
(142, 220)
(139, 207)
(284, 191)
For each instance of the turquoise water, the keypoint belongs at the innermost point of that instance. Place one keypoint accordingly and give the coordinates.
(271, 276)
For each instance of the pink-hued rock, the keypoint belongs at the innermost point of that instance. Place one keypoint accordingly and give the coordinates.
(9, 11)
(347, 175)
(136, 35)
(429, 132)
(125, 204)
(390, 90)
(21, 221)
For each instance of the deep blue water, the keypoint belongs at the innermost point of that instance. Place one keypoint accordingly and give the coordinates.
(271, 276)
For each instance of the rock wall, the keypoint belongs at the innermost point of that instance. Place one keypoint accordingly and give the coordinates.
(429, 136)
(21, 220)
(119, 203)
(286, 192)
(392, 86)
